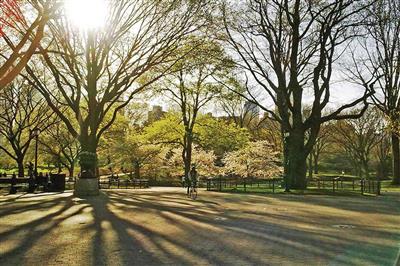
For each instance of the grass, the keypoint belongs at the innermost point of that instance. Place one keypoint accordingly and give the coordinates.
(43, 169)
(308, 191)
(347, 189)
(386, 186)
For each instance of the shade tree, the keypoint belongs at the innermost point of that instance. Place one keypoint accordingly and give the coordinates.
(191, 85)
(22, 110)
(61, 148)
(22, 27)
(134, 152)
(287, 51)
(378, 66)
(358, 139)
(96, 73)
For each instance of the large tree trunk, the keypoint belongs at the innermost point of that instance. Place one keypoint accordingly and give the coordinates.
(187, 156)
(87, 184)
(187, 160)
(89, 144)
(297, 161)
(71, 170)
(395, 159)
(20, 163)
(137, 170)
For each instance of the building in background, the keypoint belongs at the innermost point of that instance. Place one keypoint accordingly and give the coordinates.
(155, 114)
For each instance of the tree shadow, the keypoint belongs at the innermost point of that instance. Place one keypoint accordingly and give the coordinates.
(153, 228)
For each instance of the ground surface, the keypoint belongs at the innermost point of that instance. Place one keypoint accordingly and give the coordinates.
(161, 226)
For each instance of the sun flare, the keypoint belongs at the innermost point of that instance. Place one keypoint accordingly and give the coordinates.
(86, 14)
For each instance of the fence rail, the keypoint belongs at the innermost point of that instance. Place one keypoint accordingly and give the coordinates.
(224, 183)
(364, 186)
(333, 184)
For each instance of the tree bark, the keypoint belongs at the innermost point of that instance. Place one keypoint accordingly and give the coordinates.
(137, 170)
(297, 161)
(188, 160)
(89, 144)
(71, 171)
(395, 159)
(20, 163)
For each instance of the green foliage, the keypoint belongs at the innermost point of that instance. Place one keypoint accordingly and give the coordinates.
(166, 131)
(220, 136)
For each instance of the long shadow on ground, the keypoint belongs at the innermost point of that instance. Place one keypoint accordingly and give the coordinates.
(153, 228)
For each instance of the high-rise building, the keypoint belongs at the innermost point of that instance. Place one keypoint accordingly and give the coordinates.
(155, 114)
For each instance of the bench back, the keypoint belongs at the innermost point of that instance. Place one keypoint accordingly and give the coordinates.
(17, 180)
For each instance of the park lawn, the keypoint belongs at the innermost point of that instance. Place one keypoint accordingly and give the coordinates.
(40, 169)
(279, 190)
(329, 174)
(346, 190)
(388, 187)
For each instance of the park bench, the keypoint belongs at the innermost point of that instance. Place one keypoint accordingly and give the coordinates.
(136, 183)
(108, 182)
(14, 184)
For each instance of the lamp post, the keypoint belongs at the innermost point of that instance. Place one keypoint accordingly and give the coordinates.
(36, 133)
(286, 160)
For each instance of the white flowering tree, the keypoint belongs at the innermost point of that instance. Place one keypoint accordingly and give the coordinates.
(257, 159)
(202, 159)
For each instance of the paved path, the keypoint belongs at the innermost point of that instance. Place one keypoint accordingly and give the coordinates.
(161, 226)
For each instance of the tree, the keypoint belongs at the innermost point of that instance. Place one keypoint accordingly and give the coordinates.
(61, 146)
(256, 159)
(219, 136)
(15, 26)
(321, 143)
(191, 85)
(22, 110)
(289, 50)
(234, 106)
(202, 159)
(358, 138)
(212, 138)
(95, 74)
(166, 131)
(379, 66)
(134, 150)
(382, 153)
(268, 129)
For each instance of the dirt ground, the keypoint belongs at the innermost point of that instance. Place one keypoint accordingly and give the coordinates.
(161, 226)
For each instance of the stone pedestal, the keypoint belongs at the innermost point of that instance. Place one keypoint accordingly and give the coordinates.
(86, 187)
